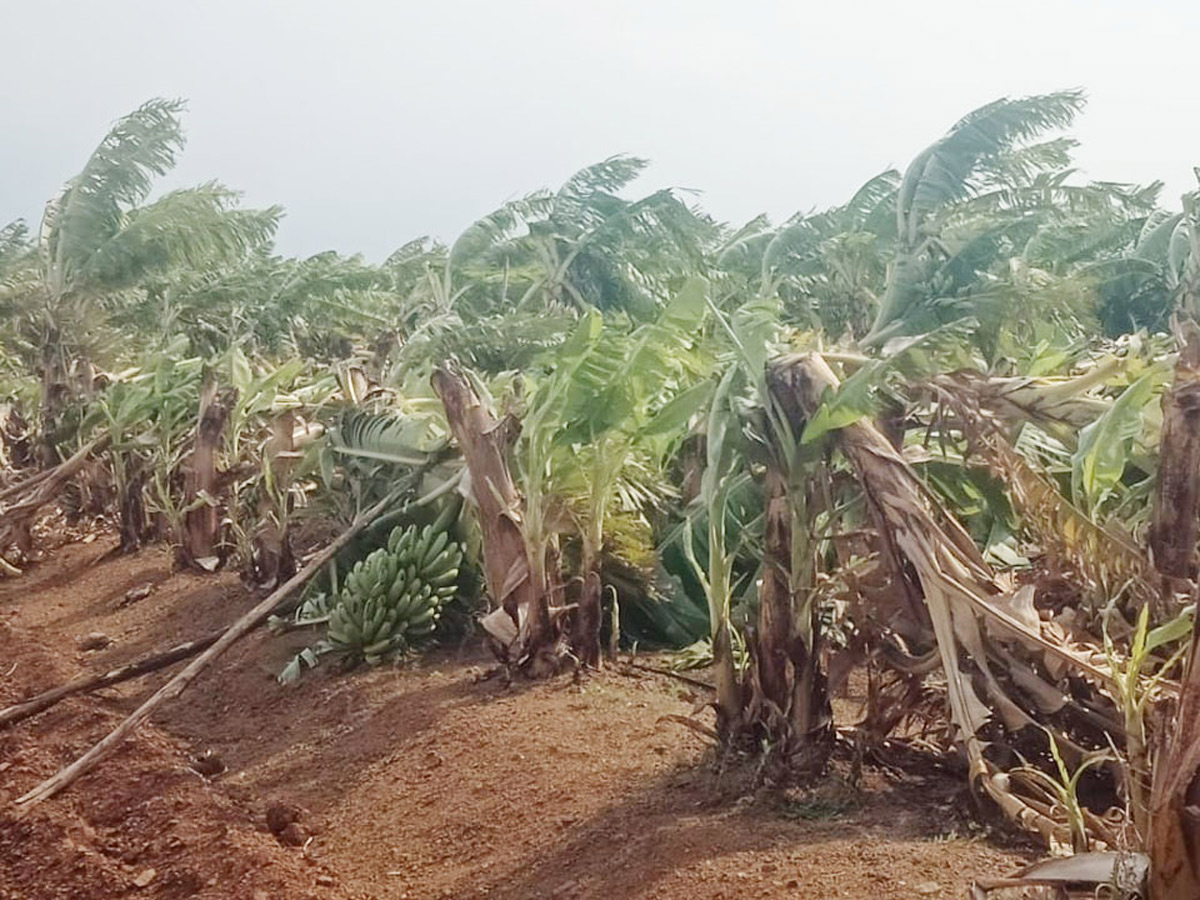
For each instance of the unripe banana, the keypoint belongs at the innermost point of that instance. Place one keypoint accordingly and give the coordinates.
(423, 616)
(445, 559)
(395, 591)
(436, 545)
(404, 606)
(448, 577)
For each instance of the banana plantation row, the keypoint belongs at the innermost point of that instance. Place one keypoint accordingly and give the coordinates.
(946, 432)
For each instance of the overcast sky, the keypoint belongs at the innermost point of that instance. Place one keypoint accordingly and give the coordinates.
(374, 122)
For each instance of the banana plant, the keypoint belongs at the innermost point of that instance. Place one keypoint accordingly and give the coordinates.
(597, 431)
(147, 412)
(582, 247)
(1107, 444)
(1174, 841)
(824, 268)
(100, 241)
(264, 437)
(720, 471)
(986, 162)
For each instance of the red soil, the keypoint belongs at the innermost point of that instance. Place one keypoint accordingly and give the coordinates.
(418, 782)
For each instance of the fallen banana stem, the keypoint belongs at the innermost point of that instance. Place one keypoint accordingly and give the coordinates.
(87, 683)
(678, 676)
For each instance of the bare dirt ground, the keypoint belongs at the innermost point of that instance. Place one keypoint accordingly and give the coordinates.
(415, 782)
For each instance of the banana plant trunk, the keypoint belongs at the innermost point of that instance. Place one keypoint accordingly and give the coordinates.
(1173, 531)
(131, 503)
(15, 438)
(202, 520)
(787, 640)
(962, 596)
(585, 625)
(53, 393)
(272, 561)
(1174, 841)
(516, 585)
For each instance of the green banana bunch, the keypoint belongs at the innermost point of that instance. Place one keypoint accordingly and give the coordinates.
(393, 598)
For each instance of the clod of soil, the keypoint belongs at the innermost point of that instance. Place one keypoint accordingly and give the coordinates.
(280, 816)
(207, 764)
(97, 640)
(144, 878)
(292, 834)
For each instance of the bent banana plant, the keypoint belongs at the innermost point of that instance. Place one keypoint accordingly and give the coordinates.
(974, 619)
(1106, 557)
(518, 585)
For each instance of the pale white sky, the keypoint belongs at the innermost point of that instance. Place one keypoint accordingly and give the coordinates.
(375, 122)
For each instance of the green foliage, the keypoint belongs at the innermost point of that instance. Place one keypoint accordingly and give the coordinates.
(15, 247)
(149, 413)
(699, 654)
(1106, 444)
(984, 206)
(823, 268)
(1064, 788)
(1138, 676)
(943, 172)
(666, 612)
(914, 358)
(100, 243)
(603, 413)
(578, 248)
(716, 487)
(617, 328)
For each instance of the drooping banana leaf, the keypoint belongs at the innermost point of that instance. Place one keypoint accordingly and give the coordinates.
(1106, 444)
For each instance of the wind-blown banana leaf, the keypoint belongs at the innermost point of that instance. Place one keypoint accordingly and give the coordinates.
(1105, 444)
(961, 165)
(403, 440)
